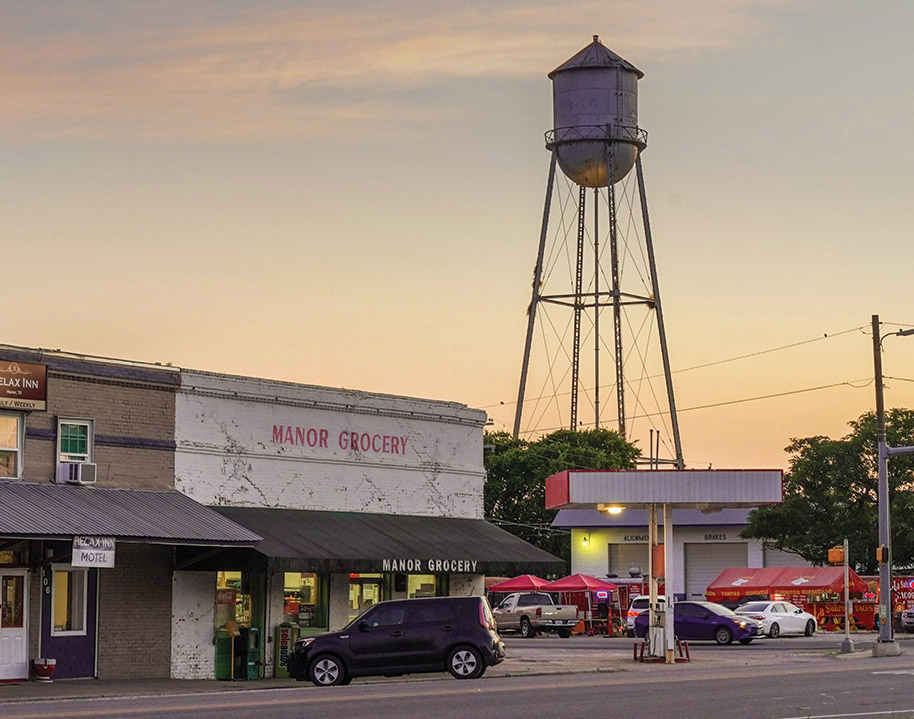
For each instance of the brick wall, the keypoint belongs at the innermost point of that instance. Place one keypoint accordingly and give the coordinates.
(134, 613)
(134, 430)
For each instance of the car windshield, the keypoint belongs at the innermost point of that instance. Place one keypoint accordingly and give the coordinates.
(643, 602)
(752, 607)
(718, 609)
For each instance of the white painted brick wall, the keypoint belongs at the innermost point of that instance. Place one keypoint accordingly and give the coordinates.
(467, 585)
(339, 601)
(250, 442)
(192, 617)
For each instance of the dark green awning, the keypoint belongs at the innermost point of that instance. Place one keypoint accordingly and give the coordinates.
(320, 541)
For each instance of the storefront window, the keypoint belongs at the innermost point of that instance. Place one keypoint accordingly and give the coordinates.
(421, 585)
(68, 601)
(365, 590)
(302, 599)
(232, 604)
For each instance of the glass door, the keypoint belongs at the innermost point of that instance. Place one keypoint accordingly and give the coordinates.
(365, 590)
(14, 662)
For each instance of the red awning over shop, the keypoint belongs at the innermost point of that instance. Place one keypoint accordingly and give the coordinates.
(815, 580)
(738, 583)
(734, 584)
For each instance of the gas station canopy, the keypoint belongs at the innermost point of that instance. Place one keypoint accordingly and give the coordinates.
(708, 490)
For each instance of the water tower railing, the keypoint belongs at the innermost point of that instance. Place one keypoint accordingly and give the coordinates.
(606, 133)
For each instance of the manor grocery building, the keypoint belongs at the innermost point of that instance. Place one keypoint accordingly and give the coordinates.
(153, 519)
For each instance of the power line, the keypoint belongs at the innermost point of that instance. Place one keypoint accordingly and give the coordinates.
(717, 362)
(856, 384)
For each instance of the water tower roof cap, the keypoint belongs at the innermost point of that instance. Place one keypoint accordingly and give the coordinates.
(596, 55)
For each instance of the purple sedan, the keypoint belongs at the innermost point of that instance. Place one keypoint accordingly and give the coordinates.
(707, 621)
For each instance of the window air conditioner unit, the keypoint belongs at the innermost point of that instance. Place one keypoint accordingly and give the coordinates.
(76, 473)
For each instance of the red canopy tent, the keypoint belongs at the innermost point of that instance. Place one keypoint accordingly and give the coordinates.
(577, 583)
(521, 583)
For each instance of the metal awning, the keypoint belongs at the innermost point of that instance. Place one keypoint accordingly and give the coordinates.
(60, 512)
(322, 541)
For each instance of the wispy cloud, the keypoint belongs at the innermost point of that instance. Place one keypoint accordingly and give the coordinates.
(250, 70)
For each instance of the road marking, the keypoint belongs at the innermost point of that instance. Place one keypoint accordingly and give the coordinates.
(897, 671)
(855, 714)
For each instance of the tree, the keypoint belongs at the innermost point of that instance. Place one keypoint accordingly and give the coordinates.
(516, 469)
(830, 492)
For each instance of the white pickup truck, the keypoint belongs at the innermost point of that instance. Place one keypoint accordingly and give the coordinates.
(531, 612)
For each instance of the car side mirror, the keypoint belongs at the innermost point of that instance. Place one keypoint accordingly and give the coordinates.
(798, 611)
(706, 615)
(364, 626)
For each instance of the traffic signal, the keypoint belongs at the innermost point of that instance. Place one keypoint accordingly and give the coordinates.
(882, 554)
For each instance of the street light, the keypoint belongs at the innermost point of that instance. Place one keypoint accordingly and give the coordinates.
(886, 644)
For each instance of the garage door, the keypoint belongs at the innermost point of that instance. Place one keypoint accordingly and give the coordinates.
(777, 558)
(624, 556)
(703, 562)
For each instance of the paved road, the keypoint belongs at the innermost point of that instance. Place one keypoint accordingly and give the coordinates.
(829, 689)
(584, 677)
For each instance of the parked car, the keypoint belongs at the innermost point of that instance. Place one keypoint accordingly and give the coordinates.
(699, 621)
(779, 618)
(639, 604)
(529, 613)
(906, 621)
(405, 636)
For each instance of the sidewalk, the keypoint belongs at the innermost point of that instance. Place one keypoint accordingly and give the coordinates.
(523, 660)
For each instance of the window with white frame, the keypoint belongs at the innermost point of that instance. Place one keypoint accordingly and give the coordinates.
(74, 440)
(69, 589)
(12, 435)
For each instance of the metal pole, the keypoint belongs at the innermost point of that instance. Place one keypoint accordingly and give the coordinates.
(649, 242)
(885, 566)
(847, 646)
(616, 298)
(655, 618)
(531, 311)
(596, 307)
(885, 581)
(847, 597)
(668, 620)
(578, 310)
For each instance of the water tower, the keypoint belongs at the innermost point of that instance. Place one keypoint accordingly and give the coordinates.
(599, 259)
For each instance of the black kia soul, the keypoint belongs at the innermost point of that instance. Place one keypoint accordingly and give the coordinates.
(404, 636)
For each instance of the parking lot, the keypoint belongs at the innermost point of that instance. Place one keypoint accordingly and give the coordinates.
(582, 653)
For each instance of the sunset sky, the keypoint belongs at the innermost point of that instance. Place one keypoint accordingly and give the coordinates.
(350, 193)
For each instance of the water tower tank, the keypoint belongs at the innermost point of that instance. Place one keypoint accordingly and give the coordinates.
(595, 113)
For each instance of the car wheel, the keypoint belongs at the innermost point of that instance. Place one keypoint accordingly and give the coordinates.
(465, 663)
(526, 628)
(810, 628)
(327, 671)
(564, 633)
(722, 635)
(774, 631)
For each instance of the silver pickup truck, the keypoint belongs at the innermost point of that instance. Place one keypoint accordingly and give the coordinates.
(531, 612)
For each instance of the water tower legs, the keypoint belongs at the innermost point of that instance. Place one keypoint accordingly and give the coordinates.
(531, 310)
(581, 299)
